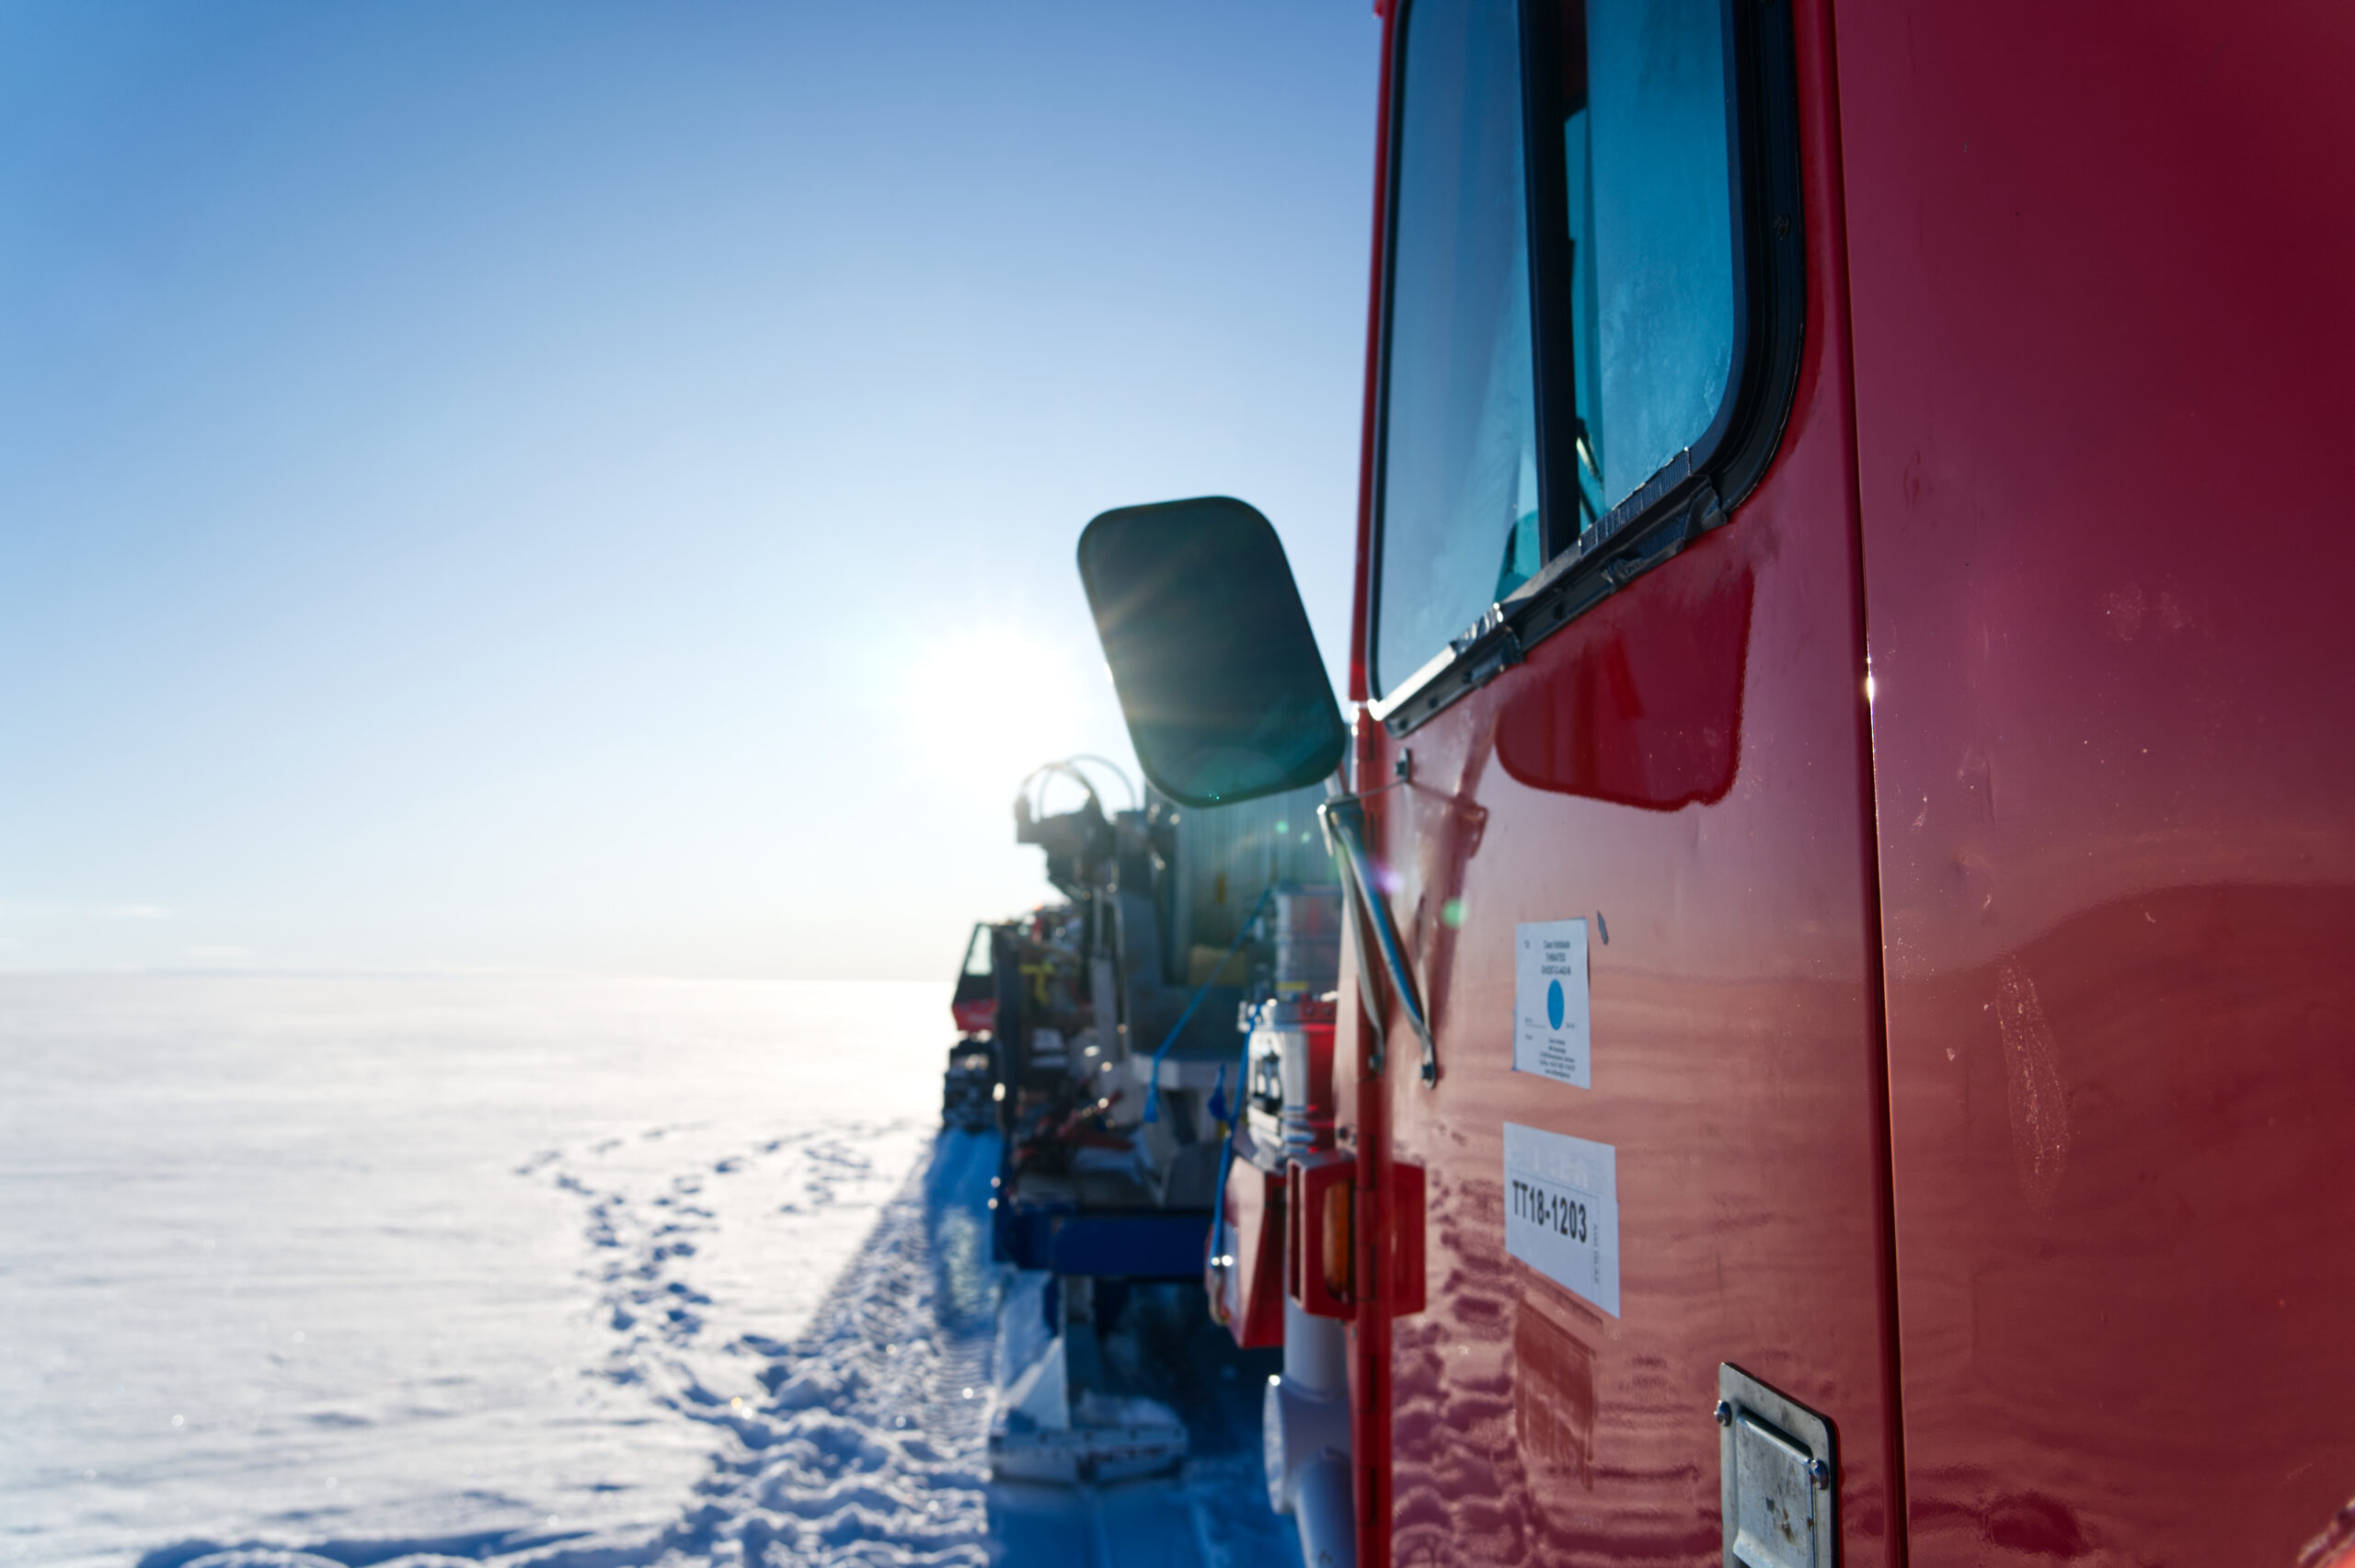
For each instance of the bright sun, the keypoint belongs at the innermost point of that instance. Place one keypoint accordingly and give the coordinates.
(989, 704)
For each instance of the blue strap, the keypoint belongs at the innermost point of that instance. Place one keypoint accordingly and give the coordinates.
(1152, 1088)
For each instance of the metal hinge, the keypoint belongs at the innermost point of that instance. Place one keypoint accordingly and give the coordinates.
(1500, 656)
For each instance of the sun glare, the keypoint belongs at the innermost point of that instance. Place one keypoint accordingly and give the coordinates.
(989, 704)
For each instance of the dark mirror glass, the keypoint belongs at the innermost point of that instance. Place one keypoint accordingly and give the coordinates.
(1217, 671)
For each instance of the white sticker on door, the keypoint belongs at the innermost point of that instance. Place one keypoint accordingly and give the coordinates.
(1549, 1033)
(1562, 1211)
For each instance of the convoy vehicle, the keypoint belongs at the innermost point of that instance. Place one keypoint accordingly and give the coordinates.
(1100, 1041)
(1844, 1050)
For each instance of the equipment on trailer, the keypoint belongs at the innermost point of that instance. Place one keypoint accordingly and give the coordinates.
(1119, 1071)
(968, 1089)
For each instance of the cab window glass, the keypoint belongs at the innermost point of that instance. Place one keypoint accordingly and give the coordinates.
(1459, 498)
(1652, 235)
(1642, 95)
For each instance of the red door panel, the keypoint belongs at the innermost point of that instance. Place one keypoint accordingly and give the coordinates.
(2102, 320)
(1685, 767)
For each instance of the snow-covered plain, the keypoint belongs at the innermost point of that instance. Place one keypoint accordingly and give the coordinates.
(565, 1274)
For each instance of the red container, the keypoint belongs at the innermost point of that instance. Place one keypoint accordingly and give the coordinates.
(1245, 1271)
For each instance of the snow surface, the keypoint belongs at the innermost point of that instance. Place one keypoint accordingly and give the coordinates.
(303, 1273)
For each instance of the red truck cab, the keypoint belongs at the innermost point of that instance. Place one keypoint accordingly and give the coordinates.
(1850, 720)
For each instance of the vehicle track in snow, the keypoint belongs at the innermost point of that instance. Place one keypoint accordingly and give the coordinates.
(861, 1440)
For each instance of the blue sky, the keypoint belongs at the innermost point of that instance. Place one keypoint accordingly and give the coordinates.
(591, 487)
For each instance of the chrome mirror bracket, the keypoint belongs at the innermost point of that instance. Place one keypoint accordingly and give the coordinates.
(1343, 816)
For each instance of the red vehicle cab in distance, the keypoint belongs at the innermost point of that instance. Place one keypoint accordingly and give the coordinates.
(1853, 716)
(973, 1004)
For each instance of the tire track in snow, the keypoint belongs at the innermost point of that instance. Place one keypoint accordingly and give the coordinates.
(863, 1442)
(860, 1442)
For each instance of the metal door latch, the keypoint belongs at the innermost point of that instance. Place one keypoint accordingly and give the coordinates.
(1778, 1475)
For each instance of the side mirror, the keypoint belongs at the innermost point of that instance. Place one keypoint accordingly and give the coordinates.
(1217, 671)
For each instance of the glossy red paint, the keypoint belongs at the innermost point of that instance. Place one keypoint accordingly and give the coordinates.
(1362, 1126)
(1685, 766)
(1608, 733)
(1245, 1274)
(2102, 320)
(1976, 1060)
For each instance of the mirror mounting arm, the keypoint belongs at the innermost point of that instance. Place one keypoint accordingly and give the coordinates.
(1343, 815)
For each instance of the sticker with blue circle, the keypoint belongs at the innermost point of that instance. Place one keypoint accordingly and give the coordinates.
(1549, 1035)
